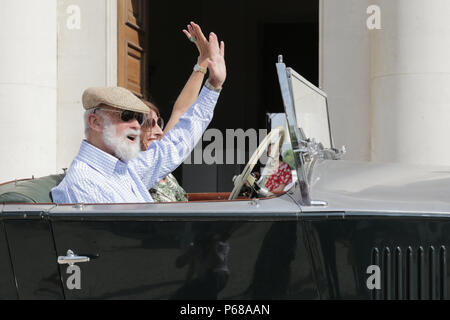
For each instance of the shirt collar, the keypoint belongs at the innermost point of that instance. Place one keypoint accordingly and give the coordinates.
(100, 160)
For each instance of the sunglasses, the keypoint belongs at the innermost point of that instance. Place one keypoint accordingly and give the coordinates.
(127, 115)
(152, 123)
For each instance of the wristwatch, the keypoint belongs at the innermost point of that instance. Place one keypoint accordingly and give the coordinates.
(198, 68)
(211, 87)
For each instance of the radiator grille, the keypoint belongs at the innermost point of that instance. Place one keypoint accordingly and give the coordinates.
(411, 273)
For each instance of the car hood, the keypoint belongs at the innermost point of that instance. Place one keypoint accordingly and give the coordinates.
(387, 187)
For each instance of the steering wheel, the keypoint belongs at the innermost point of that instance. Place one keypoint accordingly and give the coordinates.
(239, 181)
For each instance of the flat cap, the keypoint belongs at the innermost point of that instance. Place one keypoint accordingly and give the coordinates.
(116, 97)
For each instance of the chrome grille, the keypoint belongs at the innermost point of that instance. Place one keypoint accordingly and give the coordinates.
(414, 273)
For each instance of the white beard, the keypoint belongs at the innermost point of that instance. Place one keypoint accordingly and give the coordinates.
(122, 147)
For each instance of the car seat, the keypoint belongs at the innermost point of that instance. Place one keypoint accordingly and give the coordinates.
(30, 191)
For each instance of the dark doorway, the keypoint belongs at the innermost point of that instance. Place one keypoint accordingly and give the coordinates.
(255, 33)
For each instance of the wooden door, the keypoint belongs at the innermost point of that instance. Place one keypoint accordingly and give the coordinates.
(131, 45)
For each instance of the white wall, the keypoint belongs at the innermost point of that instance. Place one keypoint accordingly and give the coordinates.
(45, 66)
(27, 88)
(345, 73)
(86, 57)
(388, 89)
(411, 82)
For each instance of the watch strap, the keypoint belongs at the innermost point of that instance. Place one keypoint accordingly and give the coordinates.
(198, 68)
(211, 87)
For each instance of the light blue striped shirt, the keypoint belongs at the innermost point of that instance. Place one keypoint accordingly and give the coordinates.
(98, 177)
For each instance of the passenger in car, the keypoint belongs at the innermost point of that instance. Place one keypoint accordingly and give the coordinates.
(168, 189)
(110, 167)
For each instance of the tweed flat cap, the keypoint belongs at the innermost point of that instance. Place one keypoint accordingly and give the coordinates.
(116, 97)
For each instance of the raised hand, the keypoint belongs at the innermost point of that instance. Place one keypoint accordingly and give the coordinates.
(195, 33)
(216, 61)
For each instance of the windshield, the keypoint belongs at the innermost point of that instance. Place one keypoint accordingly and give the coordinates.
(311, 110)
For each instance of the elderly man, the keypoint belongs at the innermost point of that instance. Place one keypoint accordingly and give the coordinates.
(110, 168)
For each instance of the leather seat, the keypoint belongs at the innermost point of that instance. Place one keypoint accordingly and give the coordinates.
(30, 191)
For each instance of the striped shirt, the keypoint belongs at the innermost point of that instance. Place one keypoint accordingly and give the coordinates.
(98, 177)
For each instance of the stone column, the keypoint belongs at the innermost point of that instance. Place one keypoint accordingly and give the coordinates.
(28, 113)
(410, 82)
(345, 73)
(87, 57)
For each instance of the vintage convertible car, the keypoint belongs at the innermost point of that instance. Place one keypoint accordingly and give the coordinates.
(345, 230)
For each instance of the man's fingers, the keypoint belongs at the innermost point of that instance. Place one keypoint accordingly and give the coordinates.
(213, 45)
(222, 49)
(213, 38)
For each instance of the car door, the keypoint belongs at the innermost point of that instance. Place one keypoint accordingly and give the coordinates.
(241, 249)
(7, 286)
(32, 252)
